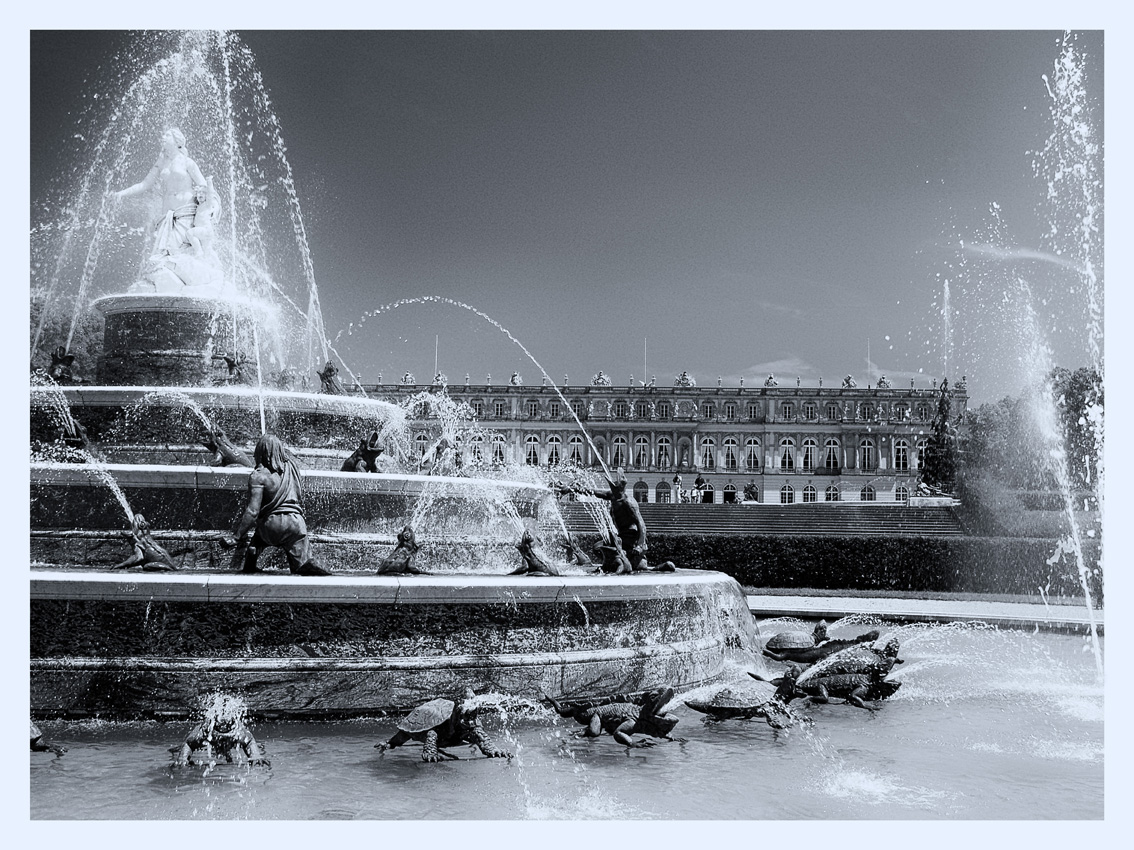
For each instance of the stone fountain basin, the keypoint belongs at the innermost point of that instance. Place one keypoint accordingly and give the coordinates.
(151, 645)
(172, 497)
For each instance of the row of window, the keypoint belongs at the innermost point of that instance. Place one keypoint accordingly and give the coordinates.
(810, 493)
(808, 410)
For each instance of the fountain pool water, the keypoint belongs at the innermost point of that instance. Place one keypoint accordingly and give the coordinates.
(988, 724)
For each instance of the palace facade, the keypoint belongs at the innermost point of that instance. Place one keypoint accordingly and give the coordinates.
(770, 443)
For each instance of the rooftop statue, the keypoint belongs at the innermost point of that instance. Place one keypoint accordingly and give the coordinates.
(849, 383)
(884, 383)
(516, 380)
(684, 380)
(182, 254)
(600, 380)
(771, 381)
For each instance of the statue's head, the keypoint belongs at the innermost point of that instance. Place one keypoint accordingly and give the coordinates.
(890, 650)
(652, 718)
(139, 525)
(272, 454)
(618, 482)
(820, 631)
(407, 537)
(173, 139)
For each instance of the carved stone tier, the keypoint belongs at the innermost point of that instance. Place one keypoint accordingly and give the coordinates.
(172, 340)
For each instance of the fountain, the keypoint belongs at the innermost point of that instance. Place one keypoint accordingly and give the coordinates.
(202, 335)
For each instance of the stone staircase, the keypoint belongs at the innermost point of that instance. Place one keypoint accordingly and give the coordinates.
(838, 518)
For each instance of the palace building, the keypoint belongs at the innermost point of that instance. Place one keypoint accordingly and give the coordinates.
(770, 443)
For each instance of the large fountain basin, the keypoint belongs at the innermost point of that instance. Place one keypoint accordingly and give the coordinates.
(152, 645)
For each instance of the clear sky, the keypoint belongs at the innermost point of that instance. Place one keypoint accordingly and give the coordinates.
(727, 203)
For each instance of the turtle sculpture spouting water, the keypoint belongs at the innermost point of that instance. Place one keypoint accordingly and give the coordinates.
(854, 688)
(623, 719)
(797, 638)
(810, 654)
(442, 723)
(862, 659)
(745, 700)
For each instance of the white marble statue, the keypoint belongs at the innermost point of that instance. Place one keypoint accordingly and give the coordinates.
(182, 254)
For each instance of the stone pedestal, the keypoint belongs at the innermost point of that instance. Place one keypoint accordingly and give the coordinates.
(157, 339)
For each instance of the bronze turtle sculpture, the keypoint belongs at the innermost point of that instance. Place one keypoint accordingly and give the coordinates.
(745, 700)
(797, 638)
(443, 723)
(853, 688)
(862, 659)
(811, 654)
(39, 745)
(623, 719)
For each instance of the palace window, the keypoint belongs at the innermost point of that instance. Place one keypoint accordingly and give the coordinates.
(753, 410)
(810, 494)
(621, 409)
(708, 453)
(866, 410)
(477, 408)
(641, 410)
(867, 494)
(575, 449)
(531, 450)
(579, 409)
(731, 451)
(902, 411)
(810, 455)
(533, 409)
(553, 444)
(787, 410)
(618, 451)
(641, 452)
(922, 412)
(663, 410)
(787, 453)
(554, 410)
(867, 456)
(787, 495)
(831, 494)
(708, 410)
(751, 454)
(832, 411)
(729, 495)
(921, 444)
(730, 411)
(831, 454)
(665, 453)
(499, 409)
(421, 443)
(498, 448)
(477, 448)
(661, 493)
(901, 493)
(901, 456)
(641, 492)
(810, 411)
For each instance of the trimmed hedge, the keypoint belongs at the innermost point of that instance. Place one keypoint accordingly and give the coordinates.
(929, 563)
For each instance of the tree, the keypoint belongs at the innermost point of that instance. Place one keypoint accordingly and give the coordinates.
(940, 469)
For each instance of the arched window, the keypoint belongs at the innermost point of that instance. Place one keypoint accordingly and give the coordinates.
(901, 455)
(787, 453)
(810, 455)
(531, 450)
(867, 494)
(831, 494)
(751, 454)
(420, 444)
(707, 493)
(618, 451)
(477, 448)
(787, 495)
(921, 445)
(533, 409)
(498, 448)
(831, 454)
(708, 453)
(641, 492)
(901, 493)
(661, 493)
(575, 449)
(867, 457)
(641, 452)
(729, 494)
(731, 450)
(553, 444)
(810, 494)
(665, 452)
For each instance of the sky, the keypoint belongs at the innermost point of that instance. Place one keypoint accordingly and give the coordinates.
(731, 203)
